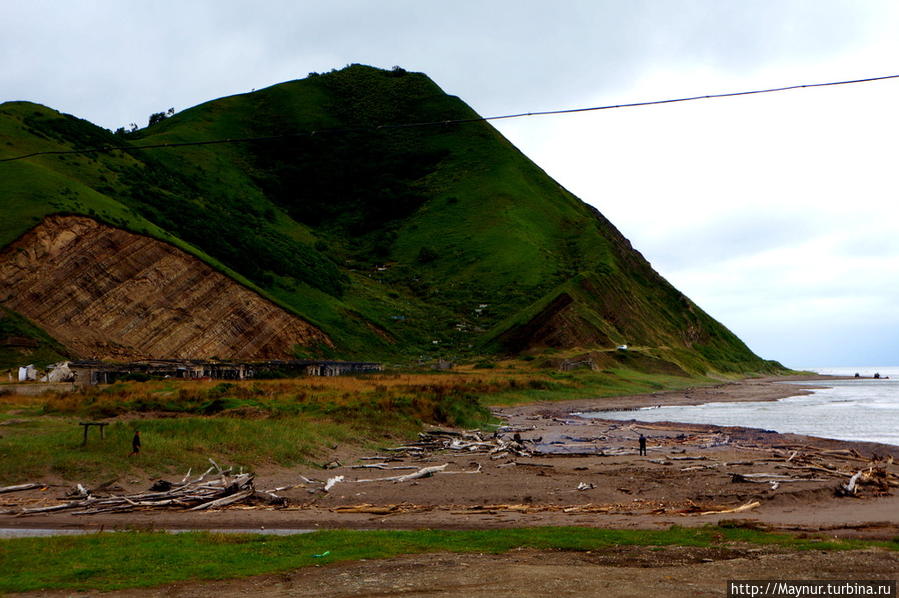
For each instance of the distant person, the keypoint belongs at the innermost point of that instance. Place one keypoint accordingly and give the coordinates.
(642, 445)
(135, 443)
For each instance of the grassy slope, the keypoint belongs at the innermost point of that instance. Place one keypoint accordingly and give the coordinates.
(45, 349)
(388, 239)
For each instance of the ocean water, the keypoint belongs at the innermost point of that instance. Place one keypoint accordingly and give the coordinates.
(859, 409)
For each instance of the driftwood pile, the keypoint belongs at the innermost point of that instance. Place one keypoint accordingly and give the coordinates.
(689, 508)
(214, 489)
(857, 475)
(466, 441)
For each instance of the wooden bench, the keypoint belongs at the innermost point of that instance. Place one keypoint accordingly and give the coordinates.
(87, 426)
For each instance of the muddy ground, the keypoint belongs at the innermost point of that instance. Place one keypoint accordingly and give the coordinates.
(687, 478)
(678, 572)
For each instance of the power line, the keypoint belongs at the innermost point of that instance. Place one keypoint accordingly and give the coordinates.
(127, 148)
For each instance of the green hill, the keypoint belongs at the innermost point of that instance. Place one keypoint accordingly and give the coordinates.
(395, 241)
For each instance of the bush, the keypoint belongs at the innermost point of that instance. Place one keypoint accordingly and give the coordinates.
(426, 255)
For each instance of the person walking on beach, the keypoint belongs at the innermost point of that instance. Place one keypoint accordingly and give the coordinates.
(642, 445)
(135, 443)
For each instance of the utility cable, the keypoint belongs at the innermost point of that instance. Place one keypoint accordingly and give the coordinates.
(127, 148)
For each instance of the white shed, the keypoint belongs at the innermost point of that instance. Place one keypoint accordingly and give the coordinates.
(27, 372)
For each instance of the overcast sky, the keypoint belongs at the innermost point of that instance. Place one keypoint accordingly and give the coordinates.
(777, 214)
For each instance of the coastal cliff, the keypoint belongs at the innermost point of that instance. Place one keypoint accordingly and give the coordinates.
(109, 294)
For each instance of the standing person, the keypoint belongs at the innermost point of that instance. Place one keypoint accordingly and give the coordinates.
(642, 445)
(135, 443)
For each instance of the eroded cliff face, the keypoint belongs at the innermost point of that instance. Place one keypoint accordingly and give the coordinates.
(109, 294)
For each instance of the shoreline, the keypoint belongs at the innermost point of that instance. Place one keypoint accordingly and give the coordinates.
(748, 391)
(604, 483)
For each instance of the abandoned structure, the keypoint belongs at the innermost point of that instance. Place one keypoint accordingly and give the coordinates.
(98, 372)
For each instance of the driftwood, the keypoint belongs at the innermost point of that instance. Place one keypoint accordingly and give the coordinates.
(382, 466)
(742, 508)
(849, 488)
(392, 509)
(875, 476)
(200, 493)
(700, 467)
(445, 440)
(477, 470)
(21, 487)
(534, 508)
(774, 479)
(421, 473)
(221, 502)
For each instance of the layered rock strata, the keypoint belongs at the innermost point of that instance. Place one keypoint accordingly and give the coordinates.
(106, 293)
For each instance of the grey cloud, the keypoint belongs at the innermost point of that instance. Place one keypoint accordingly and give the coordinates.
(104, 59)
(698, 241)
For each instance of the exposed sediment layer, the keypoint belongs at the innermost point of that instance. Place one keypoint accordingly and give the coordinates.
(106, 293)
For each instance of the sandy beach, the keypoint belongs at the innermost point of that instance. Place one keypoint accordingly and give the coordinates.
(689, 469)
(692, 475)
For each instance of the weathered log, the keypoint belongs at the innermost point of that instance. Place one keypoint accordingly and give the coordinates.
(849, 488)
(21, 487)
(381, 466)
(699, 467)
(221, 502)
(390, 509)
(747, 507)
(441, 432)
(477, 470)
(763, 479)
(424, 472)
(68, 505)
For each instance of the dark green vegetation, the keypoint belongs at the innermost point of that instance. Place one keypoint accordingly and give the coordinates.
(277, 423)
(442, 240)
(95, 561)
(21, 342)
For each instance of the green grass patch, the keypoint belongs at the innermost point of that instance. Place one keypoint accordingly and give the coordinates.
(94, 562)
(53, 445)
(38, 347)
(280, 422)
(569, 386)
